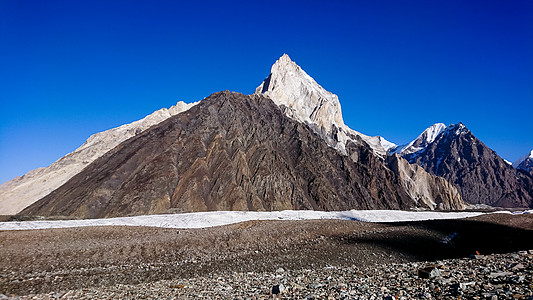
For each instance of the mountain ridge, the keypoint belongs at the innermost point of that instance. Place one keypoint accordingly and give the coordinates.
(229, 152)
(525, 163)
(19, 192)
(299, 97)
(480, 175)
(303, 99)
(425, 138)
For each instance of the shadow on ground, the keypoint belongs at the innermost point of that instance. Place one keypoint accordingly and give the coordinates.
(442, 239)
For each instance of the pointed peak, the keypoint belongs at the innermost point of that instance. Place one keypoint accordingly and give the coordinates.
(517, 163)
(457, 129)
(423, 140)
(459, 125)
(308, 102)
(437, 125)
(285, 57)
(431, 133)
(285, 64)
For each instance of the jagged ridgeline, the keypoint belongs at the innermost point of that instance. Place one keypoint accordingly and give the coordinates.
(230, 152)
(480, 175)
(284, 147)
(525, 163)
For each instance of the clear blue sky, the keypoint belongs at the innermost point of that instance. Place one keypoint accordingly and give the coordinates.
(69, 69)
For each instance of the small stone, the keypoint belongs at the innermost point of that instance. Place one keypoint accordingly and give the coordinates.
(280, 270)
(456, 289)
(429, 272)
(518, 279)
(499, 274)
(465, 285)
(316, 285)
(517, 266)
(275, 289)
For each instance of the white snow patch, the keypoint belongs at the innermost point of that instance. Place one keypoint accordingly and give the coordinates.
(427, 137)
(387, 145)
(211, 219)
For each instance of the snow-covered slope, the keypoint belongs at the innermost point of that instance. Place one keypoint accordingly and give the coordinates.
(304, 100)
(525, 162)
(422, 141)
(219, 218)
(20, 192)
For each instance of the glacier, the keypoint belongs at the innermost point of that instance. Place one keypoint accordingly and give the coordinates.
(220, 218)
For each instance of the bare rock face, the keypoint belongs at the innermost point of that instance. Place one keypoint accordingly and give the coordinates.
(230, 177)
(304, 100)
(230, 152)
(22, 191)
(480, 175)
(433, 191)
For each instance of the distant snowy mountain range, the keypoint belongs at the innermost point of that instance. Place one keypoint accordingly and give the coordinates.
(441, 156)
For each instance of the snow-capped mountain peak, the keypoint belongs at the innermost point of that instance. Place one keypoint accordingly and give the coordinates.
(423, 140)
(525, 162)
(304, 100)
(433, 131)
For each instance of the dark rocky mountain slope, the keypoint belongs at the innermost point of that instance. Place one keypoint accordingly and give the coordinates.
(480, 175)
(229, 152)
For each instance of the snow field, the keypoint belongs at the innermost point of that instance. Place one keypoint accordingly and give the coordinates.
(219, 218)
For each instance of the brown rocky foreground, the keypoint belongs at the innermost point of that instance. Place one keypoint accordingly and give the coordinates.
(89, 259)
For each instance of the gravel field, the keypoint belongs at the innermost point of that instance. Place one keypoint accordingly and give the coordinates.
(497, 276)
(319, 258)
